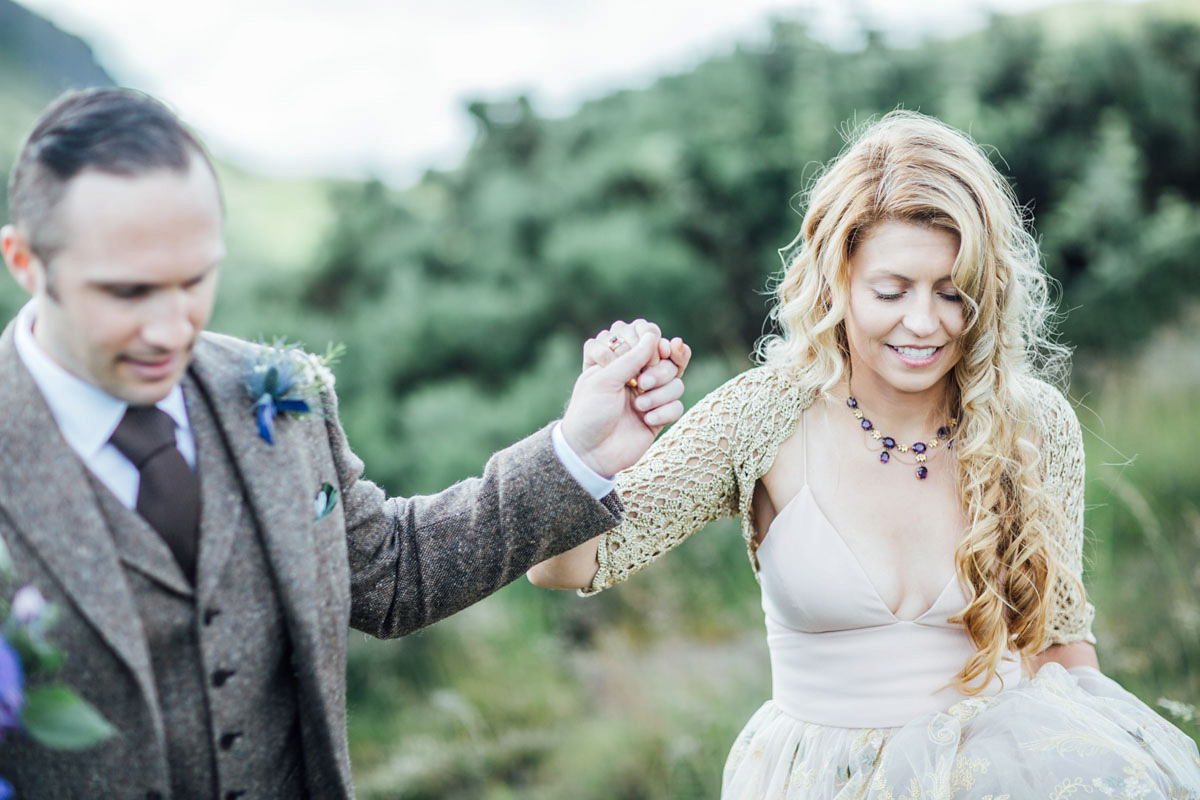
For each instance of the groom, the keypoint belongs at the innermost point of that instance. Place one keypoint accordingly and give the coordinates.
(208, 566)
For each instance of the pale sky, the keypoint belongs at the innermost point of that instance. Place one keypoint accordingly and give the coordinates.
(358, 87)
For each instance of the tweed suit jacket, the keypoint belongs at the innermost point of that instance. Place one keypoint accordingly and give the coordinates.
(387, 566)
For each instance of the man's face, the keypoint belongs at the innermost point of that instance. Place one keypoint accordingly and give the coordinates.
(126, 296)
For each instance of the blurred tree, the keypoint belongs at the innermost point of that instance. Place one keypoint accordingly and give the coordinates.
(667, 203)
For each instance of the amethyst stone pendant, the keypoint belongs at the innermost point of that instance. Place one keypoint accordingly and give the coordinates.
(920, 449)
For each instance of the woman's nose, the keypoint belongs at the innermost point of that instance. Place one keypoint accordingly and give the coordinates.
(920, 319)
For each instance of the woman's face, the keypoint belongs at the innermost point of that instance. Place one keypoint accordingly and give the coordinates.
(904, 317)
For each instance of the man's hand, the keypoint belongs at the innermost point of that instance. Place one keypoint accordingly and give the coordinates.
(610, 423)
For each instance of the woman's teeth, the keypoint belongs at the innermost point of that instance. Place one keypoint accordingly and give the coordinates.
(916, 352)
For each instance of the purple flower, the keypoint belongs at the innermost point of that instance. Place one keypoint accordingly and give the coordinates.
(11, 681)
(28, 605)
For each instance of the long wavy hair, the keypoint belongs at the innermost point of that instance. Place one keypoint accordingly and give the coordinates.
(910, 167)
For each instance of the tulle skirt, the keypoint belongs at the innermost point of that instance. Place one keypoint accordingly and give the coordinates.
(1059, 735)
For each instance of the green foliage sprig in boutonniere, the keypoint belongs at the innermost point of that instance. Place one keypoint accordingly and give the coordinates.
(283, 378)
(53, 715)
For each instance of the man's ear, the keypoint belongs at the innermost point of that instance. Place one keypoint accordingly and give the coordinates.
(23, 264)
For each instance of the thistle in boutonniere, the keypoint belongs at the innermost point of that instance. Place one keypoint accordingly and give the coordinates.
(285, 379)
(53, 715)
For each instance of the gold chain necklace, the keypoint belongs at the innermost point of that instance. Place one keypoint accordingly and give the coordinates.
(921, 449)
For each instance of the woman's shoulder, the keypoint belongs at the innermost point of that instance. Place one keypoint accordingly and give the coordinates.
(768, 385)
(757, 408)
(1049, 408)
(1054, 430)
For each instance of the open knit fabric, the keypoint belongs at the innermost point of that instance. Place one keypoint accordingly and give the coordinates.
(706, 467)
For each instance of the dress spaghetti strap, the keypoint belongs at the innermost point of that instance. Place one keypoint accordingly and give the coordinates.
(804, 442)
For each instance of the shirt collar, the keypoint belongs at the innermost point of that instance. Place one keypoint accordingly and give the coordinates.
(86, 415)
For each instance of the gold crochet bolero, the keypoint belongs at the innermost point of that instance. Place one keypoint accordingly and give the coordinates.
(706, 467)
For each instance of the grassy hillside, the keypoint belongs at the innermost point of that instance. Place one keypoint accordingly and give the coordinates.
(272, 224)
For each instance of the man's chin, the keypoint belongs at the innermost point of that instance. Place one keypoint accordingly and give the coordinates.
(141, 392)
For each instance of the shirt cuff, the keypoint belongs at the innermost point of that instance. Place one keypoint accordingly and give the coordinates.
(593, 482)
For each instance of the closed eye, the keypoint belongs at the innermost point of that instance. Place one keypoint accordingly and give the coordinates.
(882, 296)
(953, 297)
(199, 279)
(130, 291)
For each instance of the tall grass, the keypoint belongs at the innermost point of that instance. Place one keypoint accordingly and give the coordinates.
(1143, 517)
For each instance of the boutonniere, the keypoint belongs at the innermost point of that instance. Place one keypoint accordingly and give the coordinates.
(285, 379)
(53, 715)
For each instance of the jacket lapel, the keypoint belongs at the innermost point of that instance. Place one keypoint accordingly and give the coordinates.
(222, 498)
(274, 479)
(46, 494)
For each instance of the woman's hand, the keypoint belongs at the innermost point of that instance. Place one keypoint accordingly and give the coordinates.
(668, 364)
(629, 389)
(1076, 654)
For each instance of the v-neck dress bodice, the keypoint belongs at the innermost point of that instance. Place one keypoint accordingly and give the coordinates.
(839, 655)
(862, 708)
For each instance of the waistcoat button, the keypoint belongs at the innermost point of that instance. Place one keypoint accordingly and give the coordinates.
(220, 676)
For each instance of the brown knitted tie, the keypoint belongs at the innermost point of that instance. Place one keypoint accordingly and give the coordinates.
(169, 492)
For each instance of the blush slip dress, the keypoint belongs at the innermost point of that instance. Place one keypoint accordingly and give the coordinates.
(861, 705)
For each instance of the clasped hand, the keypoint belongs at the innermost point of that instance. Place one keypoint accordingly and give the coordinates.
(610, 423)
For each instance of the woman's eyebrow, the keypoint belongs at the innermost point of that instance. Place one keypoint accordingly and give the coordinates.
(881, 275)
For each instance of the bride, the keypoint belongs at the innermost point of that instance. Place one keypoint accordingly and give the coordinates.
(911, 491)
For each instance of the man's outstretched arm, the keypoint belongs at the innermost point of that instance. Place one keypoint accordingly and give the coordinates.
(413, 561)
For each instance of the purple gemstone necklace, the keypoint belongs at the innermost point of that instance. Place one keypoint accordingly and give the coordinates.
(921, 449)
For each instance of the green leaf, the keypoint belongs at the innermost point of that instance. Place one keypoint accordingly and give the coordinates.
(37, 654)
(60, 719)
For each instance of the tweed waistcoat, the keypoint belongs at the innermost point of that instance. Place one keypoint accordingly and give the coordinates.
(221, 660)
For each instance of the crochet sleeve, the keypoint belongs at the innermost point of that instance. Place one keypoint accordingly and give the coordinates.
(686, 480)
(1070, 616)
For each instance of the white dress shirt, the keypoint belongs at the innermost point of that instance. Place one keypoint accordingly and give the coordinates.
(87, 416)
(596, 484)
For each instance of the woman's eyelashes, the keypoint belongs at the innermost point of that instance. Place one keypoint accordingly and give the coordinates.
(952, 297)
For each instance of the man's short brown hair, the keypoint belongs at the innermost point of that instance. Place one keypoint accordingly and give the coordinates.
(112, 130)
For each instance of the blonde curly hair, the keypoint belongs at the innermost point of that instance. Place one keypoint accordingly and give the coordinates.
(910, 167)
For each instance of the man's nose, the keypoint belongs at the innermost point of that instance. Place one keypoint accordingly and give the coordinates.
(170, 324)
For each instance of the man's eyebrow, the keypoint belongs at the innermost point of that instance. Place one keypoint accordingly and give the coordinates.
(209, 270)
(128, 282)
